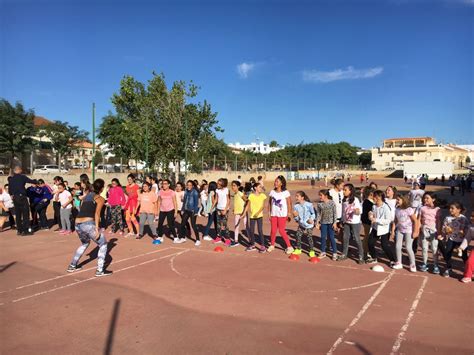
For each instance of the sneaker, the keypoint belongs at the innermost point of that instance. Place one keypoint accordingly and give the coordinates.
(227, 243)
(161, 239)
(62, 231)
(207, 238)
(370, 260)
(129, 235)
(271, 248)
(436, 270)
(466, 280)
(361, 261)
(181, 240)
(101, 273)
(321, 255)
(446, 273)
(412, 268)
(289, 250)
(72, 268)
(234, 244)
(341, 258)
(397, 266)
(334, 257)
(423, 268)
(217, 240)
(251, 248)
(262, 249)
(139, 236)
(312, 254)
(176, 240)
(198, 243)
(297, 251)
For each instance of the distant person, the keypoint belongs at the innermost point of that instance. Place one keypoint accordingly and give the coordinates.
(361, 178)
(18, 192)
(239, 179)
(7, 209)
(56, 204)
(405, 179)
(443, 179)
(452, 185)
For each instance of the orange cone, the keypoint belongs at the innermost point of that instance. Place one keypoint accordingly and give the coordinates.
(219, 249)
(294, 257)
(314, 260)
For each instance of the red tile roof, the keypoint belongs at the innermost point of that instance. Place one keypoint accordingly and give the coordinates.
(41, 121)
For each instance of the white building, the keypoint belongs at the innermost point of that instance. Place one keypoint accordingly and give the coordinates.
(397, 151)
(256, 147)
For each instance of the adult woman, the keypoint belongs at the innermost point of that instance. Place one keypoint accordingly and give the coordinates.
(190, 210)
(87, 227)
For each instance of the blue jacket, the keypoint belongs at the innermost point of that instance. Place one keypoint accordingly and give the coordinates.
(305, 213)
(191, 201)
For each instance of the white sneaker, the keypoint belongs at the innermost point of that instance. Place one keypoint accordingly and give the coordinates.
(397, 266)
(161, 239)
(198, 243)
(413, 268)
(176, 241)
(182, 240)
(207, 238)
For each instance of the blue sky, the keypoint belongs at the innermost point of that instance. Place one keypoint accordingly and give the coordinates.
(292, 71)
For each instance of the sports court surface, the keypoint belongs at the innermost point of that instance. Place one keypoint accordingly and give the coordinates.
(179, 299)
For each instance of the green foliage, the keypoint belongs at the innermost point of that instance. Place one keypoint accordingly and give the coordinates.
(16, 129)
(273, 144)
(365, 159)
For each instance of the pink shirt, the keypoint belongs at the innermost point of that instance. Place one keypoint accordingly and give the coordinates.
(404, 222)
(116, 196)
(147, 202)
(167, 198)
(428, 216)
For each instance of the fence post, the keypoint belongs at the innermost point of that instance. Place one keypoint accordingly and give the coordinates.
(202, 163)
(225, 162)
(265, 164)
(214, 168)
(235, 162)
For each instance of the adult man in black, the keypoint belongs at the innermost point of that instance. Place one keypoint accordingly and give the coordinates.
(17, 190)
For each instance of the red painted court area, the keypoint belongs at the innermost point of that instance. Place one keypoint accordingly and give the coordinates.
(181, 299)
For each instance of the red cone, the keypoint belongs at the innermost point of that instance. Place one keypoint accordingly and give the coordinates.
(294, 257)
(314, 260)
(219, 249)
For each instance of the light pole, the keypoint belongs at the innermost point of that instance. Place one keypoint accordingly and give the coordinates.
(185, 147)
(93, 141)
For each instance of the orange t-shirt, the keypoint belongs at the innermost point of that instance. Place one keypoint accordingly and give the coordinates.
(147, 202)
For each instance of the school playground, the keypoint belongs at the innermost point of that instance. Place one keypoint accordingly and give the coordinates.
(182, 299)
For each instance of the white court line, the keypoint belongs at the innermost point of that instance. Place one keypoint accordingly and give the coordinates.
(360, 314)
(89, 279)
(403, 330)
(321, 263)
(80, 271)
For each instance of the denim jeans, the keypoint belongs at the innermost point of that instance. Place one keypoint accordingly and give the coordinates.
(327, 230)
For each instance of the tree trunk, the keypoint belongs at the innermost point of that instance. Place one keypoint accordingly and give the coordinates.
(59, 161)
(177, 169)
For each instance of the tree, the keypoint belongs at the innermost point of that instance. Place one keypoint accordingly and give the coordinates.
(113, 133)
(63, 137)
(365, 159)
(16, 130)
(273, 144)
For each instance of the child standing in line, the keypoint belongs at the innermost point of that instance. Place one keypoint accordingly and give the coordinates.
(64, 197)
(210, 210)
(239, 206)
(168, 210)
(405, 225)
(203, 197)
(255, 207)
(190, 209)
(367, 205)
(326, 222)
(469, 266)
(351, 211)
(76, 196)
(222, 210)
(455, 227)
(380, 218)
(305, 216)
(131, 207)
(430, 220)
(116, 201)
(280, 205)
(147, 203)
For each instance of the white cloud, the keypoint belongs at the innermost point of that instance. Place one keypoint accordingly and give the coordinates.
(348, 73)
(244, 69)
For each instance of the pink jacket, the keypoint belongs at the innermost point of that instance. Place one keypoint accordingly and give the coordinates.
(116, 196)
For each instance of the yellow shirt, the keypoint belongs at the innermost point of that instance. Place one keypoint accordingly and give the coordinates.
(239, 203)
(256, 204)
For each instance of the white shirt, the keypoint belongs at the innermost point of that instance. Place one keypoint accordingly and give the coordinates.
(157, 190)
(63, 198)
(337, 197)
(6, 199)
(416, 198)
(348, 212)
(222, 196)
(279, 204)
(392, 203)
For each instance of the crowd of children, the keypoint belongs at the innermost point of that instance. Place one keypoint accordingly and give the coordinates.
(409, 220)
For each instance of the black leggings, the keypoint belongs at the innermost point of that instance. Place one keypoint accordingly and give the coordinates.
(447, 248)
(251, 231)
(185, 217)
(57, 209)
(373, 237)
(169, 216)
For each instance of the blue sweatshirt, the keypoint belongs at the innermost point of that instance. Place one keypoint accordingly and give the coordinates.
(305, 213)
(191, 201)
